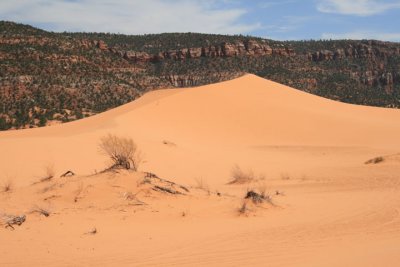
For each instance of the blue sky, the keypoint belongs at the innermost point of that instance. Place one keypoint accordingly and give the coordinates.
(274, 19)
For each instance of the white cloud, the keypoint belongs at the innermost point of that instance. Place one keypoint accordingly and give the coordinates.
(357, 7)
(359, 35)
(288, 24)
(129, 16)
(268, 4)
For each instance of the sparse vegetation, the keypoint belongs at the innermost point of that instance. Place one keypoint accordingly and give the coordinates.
(41, 211)
(129, 196)
(11, 220)
(92, 231)
(67, 174)
(202, 184)
(49, 173)
(48, 188)
(166, 190)
(285, 176)
(257, 197)
(375, 160)
(254, 198)
(240, 177)
(123, 152)
(78, 192)
(243, 208)
(6, 187)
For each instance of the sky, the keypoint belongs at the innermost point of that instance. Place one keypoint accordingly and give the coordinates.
(272, 19)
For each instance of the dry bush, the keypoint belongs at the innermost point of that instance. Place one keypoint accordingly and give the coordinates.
(202, 184)
(258, 196)
(254, 196)
(48, 188)
(122, 151)
(92, 231)
(10, 220)
(128, 196)
(243, 209)
(145, 180)
(78, 192)
(41, 211)
(375, 160)
(49, 173)
(262, 189)
(6, 187)
(240, 177)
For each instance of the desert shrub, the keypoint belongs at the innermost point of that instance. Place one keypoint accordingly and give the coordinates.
(6, 187)
(285, 176)
(41, 211)
(240, 177)
(243, 208)
(375, 160)
(202, 184)
(122, 151)
(49, 173)
(258, 197)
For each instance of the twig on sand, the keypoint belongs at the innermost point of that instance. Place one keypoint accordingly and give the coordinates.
(92, 231)
(130, 196)
(167, 190)
(68, 174)
(41, 211)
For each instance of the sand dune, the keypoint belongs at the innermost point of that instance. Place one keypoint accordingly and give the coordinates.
(334, 209)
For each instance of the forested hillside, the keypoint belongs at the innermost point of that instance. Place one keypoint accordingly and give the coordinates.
(47, 76)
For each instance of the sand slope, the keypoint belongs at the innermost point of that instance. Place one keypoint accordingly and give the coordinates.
(335, 209)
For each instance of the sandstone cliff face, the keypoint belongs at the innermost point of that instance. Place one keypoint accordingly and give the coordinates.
(374, 51)
(374, 78)
(101, 45)
(370, 50)
(245, 48)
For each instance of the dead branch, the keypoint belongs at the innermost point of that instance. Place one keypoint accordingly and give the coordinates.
(68, 174)
(14, 220)
(149, 175)
(41, 211)
(167, 190)
(93, 231)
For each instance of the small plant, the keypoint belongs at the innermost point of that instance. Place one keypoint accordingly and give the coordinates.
(78, 192)
(92, 231)
(145, 180)
(202, 184)
(129, 196)
(243, 209)
(254, 196)
(122, 151)
(375, 160)
(7, 187)
(11, 220)
(41, 211)
(49, 173)
(240, 177)
(258, 197)
(48, 188)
